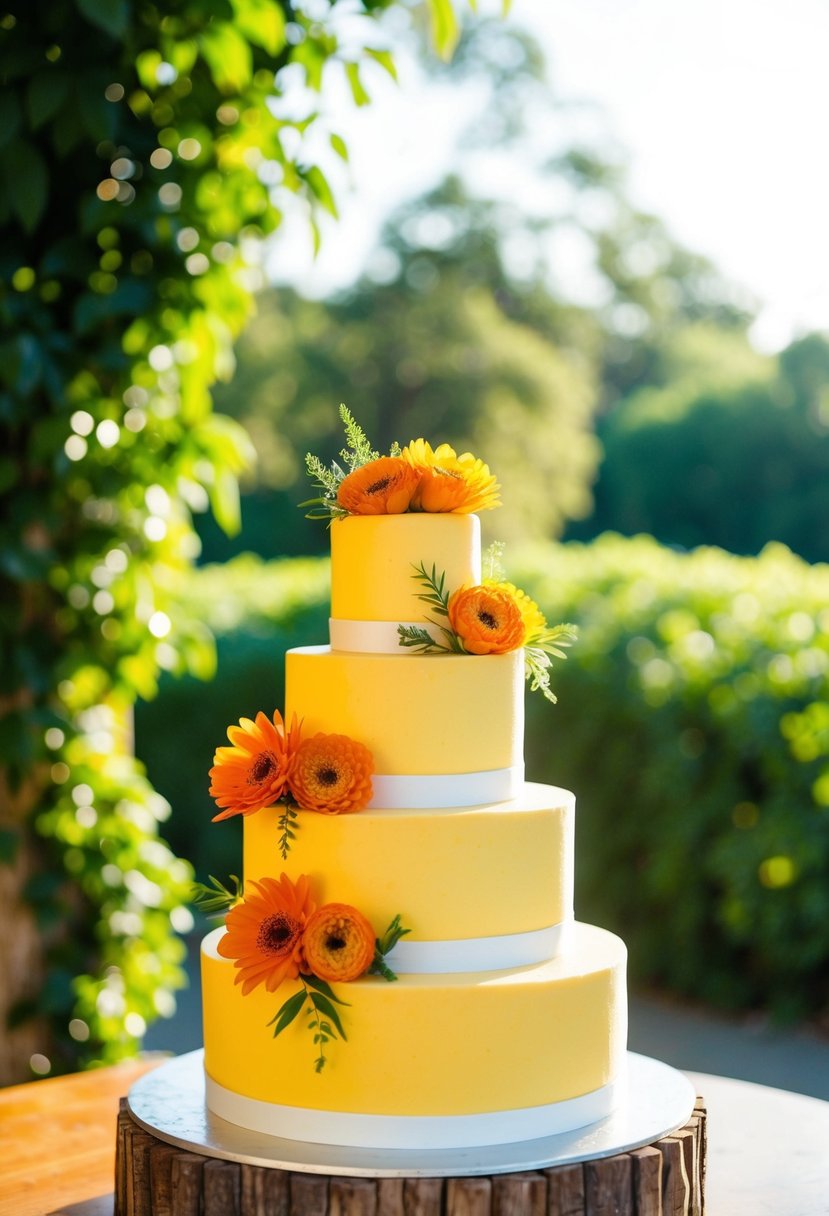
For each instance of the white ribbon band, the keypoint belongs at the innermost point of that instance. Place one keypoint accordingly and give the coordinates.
(432, 791)
(410, 1131)
(477, 953)
(371, 637)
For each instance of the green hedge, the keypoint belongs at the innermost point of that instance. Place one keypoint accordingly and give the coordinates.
(693, 723)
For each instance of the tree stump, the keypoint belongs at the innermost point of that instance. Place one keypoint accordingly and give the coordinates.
(666, 1178)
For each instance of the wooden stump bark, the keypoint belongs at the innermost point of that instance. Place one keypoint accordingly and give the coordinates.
(666, 1178)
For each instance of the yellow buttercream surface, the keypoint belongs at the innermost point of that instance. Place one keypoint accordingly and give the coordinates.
(469, 872)
(372, 560)
(417, 714)
(430, 1044)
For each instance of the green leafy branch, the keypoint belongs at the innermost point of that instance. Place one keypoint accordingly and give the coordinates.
(214, 898)
(319, 1001)
(288, 824)
(539, 653)
(359, 451)
(383, 946)
(327, 478)
(435, 596)
(492, 562)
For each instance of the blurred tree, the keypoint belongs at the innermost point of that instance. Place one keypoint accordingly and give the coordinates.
(732, 451)
(144, 150)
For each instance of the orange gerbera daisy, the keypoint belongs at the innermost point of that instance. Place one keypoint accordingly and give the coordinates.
(339, 943)
(381, 487)
(264, 932)
(332, 774)
(449, 482)
(254, 772)
(486, 619)
(534, 619)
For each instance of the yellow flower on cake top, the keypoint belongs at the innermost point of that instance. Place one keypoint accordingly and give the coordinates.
(339, 943)
(381, 487)
(487, 620)
(449, 482)
(332, 774)
(255, 771)
(264, 932)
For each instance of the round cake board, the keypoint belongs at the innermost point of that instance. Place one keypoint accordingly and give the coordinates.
(169, 1103)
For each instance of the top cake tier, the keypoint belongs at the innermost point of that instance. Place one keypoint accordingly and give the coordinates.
(373, 560)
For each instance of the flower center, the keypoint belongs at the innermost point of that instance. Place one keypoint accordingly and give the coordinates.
(327, 776)
(333, 942)
(377, 486)
(276, 934)
(262, 767)
(486, 618)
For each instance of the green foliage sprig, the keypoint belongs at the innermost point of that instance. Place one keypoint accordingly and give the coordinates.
(436, 597)
(383, 946)
(288, 825)
(214, 898)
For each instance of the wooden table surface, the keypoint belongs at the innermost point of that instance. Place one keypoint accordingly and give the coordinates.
(768, 1150)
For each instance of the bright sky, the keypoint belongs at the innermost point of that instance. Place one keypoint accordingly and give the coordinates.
(721, 106)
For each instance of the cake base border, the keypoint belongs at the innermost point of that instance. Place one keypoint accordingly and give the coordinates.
(168, 1103)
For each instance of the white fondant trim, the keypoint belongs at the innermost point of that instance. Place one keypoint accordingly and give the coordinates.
(437, 790)
(371, 637)
(409, 1131)
(477, 953)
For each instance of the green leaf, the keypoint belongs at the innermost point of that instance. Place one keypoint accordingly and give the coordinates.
(322, 1004)
(361, 97)
(288, 1011)
(262, 22)
(339, 146)
(228, 56)
(26, 182)
(445, 30)
(318, 183)
(46, 93)
(325, 988)
(385, 59)
(111, 16)
(216, 899)
(224, 502)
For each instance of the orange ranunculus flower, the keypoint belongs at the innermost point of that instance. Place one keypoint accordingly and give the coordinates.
(381, 487)
(339, 943)
(332, 774)
(486, 619)
(264, 932)
(534, 619)
(449, 482)
(254, 772)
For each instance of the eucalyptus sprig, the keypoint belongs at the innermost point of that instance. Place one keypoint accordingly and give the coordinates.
(319, 1001)
(383, 946)
(436, 597)
(216, 899)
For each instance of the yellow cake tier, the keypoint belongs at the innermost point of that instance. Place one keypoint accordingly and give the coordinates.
(465, 873)
(430, 1044)
(423, 714)
(373, 556)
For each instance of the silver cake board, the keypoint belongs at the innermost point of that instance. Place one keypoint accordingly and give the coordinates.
(169, 1104)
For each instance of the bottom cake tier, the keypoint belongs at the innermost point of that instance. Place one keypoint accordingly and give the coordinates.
(430, 1060)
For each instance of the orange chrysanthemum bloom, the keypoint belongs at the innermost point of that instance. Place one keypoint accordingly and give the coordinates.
(254, 772)
(534, 619)
(486, 619)
(381, 487)
(449, 482)
(339, 943)
(264, 932)
(332, 774)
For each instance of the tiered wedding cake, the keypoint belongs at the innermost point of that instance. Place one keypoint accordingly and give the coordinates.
(507, 1018)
